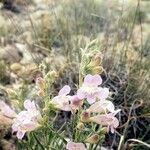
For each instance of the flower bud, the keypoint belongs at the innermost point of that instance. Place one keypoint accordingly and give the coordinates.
(97, 70)
(85, 117)
(52, 75)
(41, 93)
(103, 130)
(42, 68)
(40, 82)
(92, 139)
(96, 60)
(80, 126)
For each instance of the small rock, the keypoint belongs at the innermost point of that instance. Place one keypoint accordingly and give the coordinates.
(27, 55)
(10, 54)
(15, 67)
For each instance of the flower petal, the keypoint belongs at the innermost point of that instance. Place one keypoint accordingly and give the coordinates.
(108, 105)
(20, 134)
(88, 79)
(100, 119)
(97, 80)
(75, 146)
(95, 108)
(56, 100)
(115, 122)
(80, 94)
(91, 99)
(112, 129)
(62, 102)
(101, 106)
(14, 127)
(29, 105)
(103, 93)
(65, 90)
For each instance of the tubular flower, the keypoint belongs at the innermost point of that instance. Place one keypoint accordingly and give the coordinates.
(5, 110)
(75, 146)
(108, 120)
(26, 120)
(101, 107)
(62, 101)
(90, 89)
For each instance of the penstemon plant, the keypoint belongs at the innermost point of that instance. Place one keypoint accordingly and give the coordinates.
(92, 115)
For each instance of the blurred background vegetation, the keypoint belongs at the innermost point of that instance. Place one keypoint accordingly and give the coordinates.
(52, 32)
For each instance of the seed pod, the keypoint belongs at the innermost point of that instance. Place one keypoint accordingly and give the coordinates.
(92, 139)
(80, 126)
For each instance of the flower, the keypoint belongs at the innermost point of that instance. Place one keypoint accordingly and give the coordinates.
(90, 89)
(6, 110)
(26, 120)
(108, 120)
(66, 102)
(101, 107)
(62, 101)
(75, 146)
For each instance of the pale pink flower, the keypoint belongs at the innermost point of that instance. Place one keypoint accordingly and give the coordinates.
(62, 101)
(101, 107)
(90, 89)
(6, 110)
(75, 146)
(108, 120)
(26, 120)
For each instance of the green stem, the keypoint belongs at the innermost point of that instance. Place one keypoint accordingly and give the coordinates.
(42, 147)
(52, 148)
(73, 127)
(91, 146)
(59, 135)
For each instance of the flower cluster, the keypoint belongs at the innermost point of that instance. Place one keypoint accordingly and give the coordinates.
(100, 111)
(97, 110)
